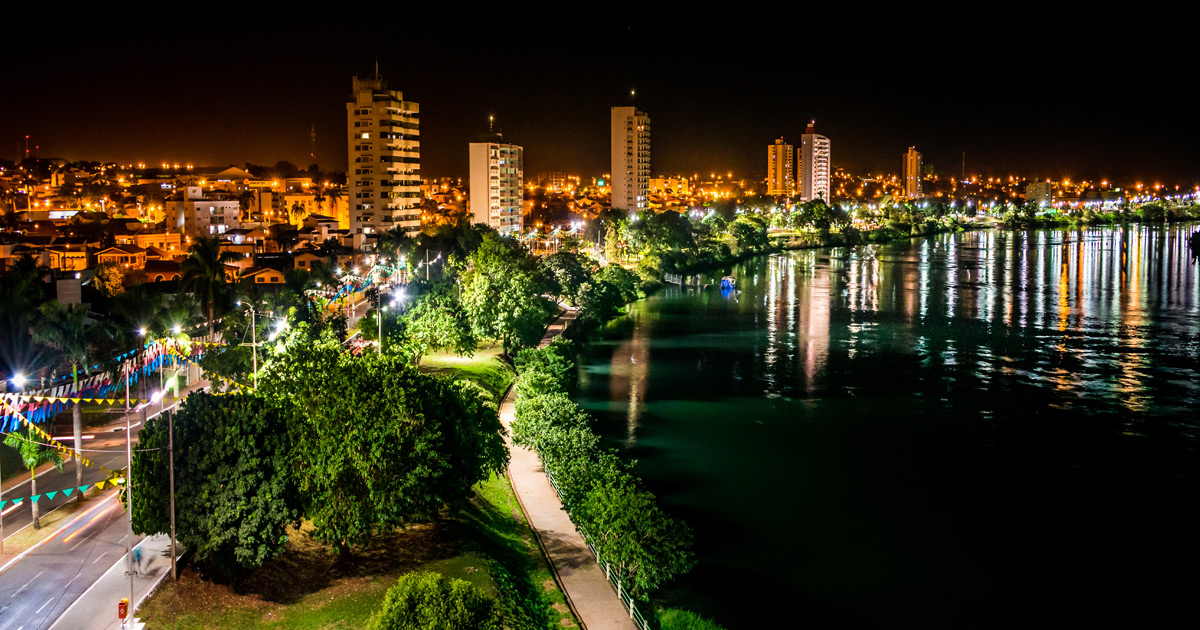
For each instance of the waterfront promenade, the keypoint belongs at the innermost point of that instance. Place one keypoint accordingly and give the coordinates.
(594, 601)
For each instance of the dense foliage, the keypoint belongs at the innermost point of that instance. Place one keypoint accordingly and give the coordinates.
(429, 601)
(600, 492)
(234, 493)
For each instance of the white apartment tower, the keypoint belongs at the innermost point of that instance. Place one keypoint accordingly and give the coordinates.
(497, 184)
(630, 158)
(385, 159)
(815, 168)
(781, 175)
(912, 173)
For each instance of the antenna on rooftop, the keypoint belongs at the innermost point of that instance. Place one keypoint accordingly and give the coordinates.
(313, 153)
(377, 67)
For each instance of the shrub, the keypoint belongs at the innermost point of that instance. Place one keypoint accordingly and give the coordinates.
(429, 601)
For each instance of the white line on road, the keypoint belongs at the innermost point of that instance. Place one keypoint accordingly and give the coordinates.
(98, 558)
(14, 595)
(43, 606)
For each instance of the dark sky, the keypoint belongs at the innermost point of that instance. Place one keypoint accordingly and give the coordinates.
(1031, 93)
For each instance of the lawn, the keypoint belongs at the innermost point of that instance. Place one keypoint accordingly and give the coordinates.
(485, 368)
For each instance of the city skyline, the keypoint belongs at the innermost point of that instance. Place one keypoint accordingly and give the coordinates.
(241, 99)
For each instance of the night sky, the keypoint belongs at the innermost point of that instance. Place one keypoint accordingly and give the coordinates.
(1033, 93)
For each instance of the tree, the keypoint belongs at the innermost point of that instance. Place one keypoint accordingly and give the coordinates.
(438, 323)
(204, 275)
(642, 543)
(109, 280)
(568, 272)
(430, 601)
(33, 454)
(234, 491)
(65, 328)
(376, 443)
(501, 295)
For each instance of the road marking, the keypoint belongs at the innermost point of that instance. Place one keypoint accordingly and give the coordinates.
(101, 556)
(14, 595)
(43, 606)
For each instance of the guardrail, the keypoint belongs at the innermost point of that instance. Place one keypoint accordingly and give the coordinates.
(614, 579)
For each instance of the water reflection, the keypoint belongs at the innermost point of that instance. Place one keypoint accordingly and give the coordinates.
(1074, 309)
(937, 428)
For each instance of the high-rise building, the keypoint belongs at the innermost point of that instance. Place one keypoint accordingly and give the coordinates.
(781, 175)
(912, 173)
(497, 184)
(630, 158)
(814, 165)
(385, 159)
(196, 216)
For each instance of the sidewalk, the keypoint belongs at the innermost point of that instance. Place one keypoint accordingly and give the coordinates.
(589, 593)
(96, 609)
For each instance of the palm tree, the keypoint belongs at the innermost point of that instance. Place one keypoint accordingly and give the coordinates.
(65, 328)
(246, 202)
(204, 275)
(34, 454)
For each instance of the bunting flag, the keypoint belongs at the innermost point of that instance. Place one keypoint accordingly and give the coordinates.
(34, 498)
(50, 495)
(52, 443)
(2, 502)
(67, 491)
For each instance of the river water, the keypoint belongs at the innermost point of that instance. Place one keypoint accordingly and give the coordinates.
(990, 428)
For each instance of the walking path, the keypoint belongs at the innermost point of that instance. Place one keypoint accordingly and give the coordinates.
(594, 601)
(99, 602)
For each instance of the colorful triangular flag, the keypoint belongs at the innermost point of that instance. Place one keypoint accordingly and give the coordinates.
(99, 485)
(2, 502)
(34, 498)
(50, 495)
(67, 492)
(84, 487)
(17, 501)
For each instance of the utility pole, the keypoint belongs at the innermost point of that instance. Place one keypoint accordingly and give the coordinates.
(128, 487)
(171, 464)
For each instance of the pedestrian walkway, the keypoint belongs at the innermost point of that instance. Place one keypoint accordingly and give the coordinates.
(96, 609)
(591, 596)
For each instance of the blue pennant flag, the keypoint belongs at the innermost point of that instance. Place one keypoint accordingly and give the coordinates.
(50, 495)
(2, 503)
(84, 487)
(34, 498)
(68, 491)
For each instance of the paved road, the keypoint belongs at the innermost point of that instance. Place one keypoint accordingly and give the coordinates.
(108, 439)
(39, 588)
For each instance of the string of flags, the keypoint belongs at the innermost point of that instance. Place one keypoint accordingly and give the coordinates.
(61, 448)
(66, 492)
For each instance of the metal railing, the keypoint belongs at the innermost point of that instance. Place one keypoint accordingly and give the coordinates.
(614, 578)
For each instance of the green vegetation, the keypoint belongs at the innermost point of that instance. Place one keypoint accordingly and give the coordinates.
(676, 619)
(600, 492)
(430, 601)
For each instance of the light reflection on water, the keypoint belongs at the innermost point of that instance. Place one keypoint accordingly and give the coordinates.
(1051, 376)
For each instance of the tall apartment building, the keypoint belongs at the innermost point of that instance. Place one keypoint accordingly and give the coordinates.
(912, 173)
(781, 174)
(630, 158)
(197, 216)
(815, 168)
(497, 184)
(1040, 193)
(385, 159)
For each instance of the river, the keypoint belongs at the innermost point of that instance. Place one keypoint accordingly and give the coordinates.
(990, 429)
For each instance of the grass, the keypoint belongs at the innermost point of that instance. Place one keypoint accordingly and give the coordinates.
(676, 619)
(488, 545)
(485, 368)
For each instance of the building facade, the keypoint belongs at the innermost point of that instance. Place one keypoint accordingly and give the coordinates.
(781, 173)
(384, 145)
(196, 216)
(497, 185)
(815, 166)
(1040, 193)
(630, 158)
(912, 173)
